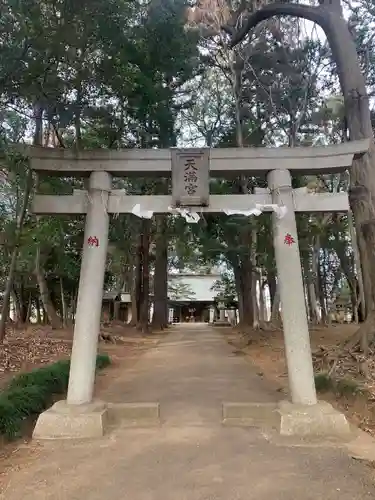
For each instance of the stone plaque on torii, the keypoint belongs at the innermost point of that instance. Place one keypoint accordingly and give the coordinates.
(190, 170)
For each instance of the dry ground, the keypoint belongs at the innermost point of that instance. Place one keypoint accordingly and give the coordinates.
(266, 351)
(35, 346)
(190, 456)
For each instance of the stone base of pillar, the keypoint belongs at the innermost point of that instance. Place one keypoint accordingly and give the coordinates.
(63, 421)
(290, 420)
(320, 420)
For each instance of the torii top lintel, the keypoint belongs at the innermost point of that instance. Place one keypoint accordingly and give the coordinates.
(223, 162)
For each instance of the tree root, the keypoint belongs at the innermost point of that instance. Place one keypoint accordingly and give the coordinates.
(365, 332)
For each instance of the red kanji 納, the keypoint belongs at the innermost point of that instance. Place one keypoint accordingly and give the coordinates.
(93, 241)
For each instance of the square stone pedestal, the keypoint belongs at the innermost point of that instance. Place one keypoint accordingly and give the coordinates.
(63, 421)
(320, 420)
(288, 419)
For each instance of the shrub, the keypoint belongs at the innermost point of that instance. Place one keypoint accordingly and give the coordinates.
(29, 394)
(323, 382)
(348, 387)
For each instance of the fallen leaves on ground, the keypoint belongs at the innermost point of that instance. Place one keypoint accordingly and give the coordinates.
(36, 345)
(266, 350)
(23, 350)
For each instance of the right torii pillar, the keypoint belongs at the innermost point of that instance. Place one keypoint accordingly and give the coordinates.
(292, 293)
(304, 415)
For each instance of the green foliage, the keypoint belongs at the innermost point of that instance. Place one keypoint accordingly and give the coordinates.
(226, 289)
(323, 382)
(29, 394)
(178, 290)
(102, 361)
(110, 74)
(348, 387)
(128, 73)
(344, 387)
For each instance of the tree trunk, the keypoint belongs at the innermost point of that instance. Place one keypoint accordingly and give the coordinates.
(64, 314)
(263, 316)
(275, 312)
(16, 308)
(145, 277)
(360, 296)
(137, 283)
(38, 315)
(13, 261)
(355, 303)
(313, 303)
(330, 17)
(321, 282)
(317, 280)
(313, 307)
(246, 288)
(237, 277)
(134, 304)
(116, 310)
(44, 315)
(22, 302)
(160, 316)
(271, 280)
(72, 308)
(29, 309)
(254, 277)
(44, 293)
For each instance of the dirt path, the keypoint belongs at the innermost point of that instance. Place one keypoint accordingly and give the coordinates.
(191, 456)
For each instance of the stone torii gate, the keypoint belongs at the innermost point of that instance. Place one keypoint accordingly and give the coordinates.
(79, 415)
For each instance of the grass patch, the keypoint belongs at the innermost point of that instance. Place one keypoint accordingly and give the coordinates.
(28, 394)
(323, 382)
(348, 387)
(345, 387)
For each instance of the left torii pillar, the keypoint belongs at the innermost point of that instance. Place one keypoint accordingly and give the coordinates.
(79, 416)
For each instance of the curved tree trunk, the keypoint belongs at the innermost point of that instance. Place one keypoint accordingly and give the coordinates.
(330, 17)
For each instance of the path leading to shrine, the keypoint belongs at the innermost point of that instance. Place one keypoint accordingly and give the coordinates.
(190, 456)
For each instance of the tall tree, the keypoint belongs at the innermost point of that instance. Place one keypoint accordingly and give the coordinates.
(329, 16)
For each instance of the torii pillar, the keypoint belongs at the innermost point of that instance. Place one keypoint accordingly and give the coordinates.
(90, 292)
(292, 294)
(79, 416)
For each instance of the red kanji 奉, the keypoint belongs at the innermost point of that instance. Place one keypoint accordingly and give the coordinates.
(289, 240)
